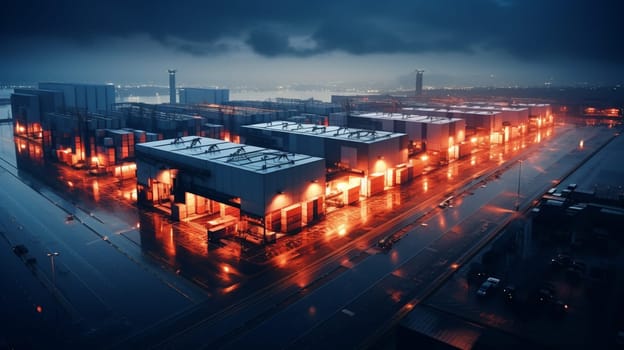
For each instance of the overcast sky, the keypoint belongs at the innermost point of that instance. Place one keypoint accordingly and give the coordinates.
(264, 43)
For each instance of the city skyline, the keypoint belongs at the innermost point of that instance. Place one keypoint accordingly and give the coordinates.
(344, 44)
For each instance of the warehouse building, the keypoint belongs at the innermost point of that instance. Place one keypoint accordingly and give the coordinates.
(198, 96)
(91, 98)
(482, 124)
(228, 118)
(510, 116)
(540, 114)
(435, 135)
(359, 162)
(73, 136)
(232, 188)
(293, 106)
(30, 108)
(166, 122)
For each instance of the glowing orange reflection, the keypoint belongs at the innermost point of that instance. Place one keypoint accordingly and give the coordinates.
(342, 230)
(230, 289)
(380, 166)
(96, 191)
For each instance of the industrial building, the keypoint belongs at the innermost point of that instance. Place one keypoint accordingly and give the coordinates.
(233, 188)
(167, 122)
(228, 118)
(436, 135)
(74, 138)
(84, 98)
(310, 108)
(484, 125)
(204, 96)
(359, 162)
(30, 108)
(38, 112)
(539, 114)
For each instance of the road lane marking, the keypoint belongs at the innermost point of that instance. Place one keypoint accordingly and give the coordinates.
(348, 312)
(94, 241)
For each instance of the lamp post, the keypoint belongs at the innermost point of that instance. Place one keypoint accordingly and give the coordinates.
(518, 193)
(52, 255)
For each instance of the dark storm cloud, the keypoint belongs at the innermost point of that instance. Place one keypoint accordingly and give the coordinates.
(527, 29)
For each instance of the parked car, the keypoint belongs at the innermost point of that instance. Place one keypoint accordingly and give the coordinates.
(488, 287)
(385, 243)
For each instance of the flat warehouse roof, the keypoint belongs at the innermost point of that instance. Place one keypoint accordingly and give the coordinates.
(193, 151)
(409, 118)
(490, 108)
(331, 132)
(451, 110)
(531, 104)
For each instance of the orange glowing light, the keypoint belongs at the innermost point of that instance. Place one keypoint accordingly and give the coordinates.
(230, 289)
(70, 184)
(226, 269)
(424, 157)
(96, 190)
(39, 309)
(341, 186)
(581, 144)
(454, 266)
(380, 166)
(282, 260)
(396, 296)
(473, 140)
(342, 230)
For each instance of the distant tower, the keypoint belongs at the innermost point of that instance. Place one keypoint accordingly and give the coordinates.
(172, 88)
(419, 81)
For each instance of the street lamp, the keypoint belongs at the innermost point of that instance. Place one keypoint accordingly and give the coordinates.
(52, 255)
(518, 193)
